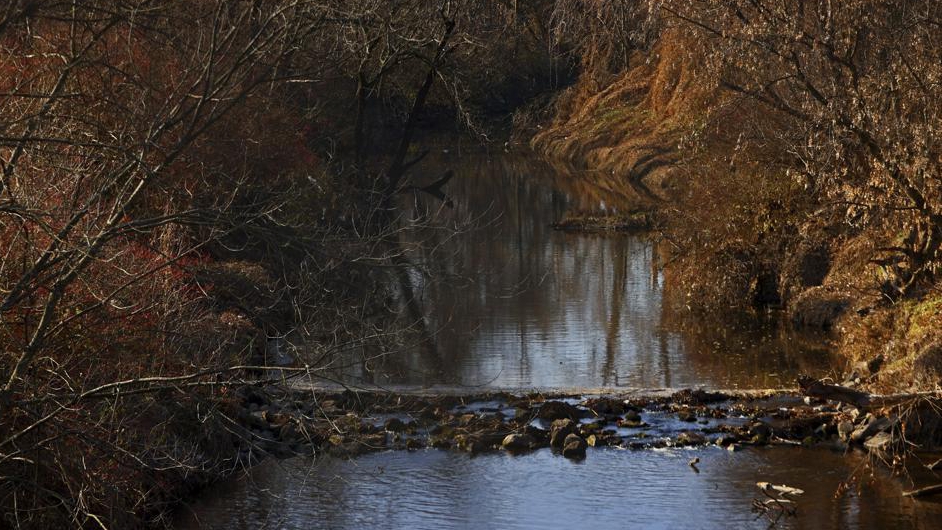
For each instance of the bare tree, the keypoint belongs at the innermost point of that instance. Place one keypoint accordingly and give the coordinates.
(856, 85)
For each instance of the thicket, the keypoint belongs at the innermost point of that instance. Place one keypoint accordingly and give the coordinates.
(183, 183)
(791, 149)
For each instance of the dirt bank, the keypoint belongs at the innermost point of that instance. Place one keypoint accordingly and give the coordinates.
(746, 223)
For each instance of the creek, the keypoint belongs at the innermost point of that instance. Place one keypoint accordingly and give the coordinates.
(512, 304)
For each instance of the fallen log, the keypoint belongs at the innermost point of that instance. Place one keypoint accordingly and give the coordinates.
(862, 400)
(922, 492)
(779, 489)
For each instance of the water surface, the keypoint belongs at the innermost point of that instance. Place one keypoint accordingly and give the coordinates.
(516, 304)
(512, 303)
(610, 489)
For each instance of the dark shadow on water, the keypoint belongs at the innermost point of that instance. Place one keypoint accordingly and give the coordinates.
(515, 304)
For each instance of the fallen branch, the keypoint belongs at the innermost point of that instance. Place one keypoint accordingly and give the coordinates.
(922, 492)
(862, 400)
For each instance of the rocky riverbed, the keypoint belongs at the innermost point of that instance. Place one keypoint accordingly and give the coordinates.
(280, 422)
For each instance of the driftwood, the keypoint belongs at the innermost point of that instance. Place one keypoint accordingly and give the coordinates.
(922, 492)
(775, 505)
(779, 489)
(862, 400)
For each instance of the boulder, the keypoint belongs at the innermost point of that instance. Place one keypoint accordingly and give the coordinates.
(394, 425)
(760, 432)
(518, 443)
(560, 430)
(556, 410)
(574, 447)
(606, 406)
(477, 443)
(690, 438)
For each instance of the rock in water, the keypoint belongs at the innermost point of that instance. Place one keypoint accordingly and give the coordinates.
(560, 430)
(518, 443)
(870, 427)
(691, 438)
(395, 425)
(844, 429)
(556, 410)
(574, 447)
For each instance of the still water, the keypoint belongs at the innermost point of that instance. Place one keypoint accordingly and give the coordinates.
(610, 489)
(512, 303)
(515, 304)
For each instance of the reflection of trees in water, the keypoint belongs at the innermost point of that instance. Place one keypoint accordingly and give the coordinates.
(723, 347)
(509, 298)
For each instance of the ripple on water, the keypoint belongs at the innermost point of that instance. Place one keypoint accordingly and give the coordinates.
(611, 489)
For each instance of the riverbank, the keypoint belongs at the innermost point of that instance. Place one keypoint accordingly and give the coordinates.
(307, 429)
(743, 224)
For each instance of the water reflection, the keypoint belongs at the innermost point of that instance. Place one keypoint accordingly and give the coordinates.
(611, 489)
(515, 304)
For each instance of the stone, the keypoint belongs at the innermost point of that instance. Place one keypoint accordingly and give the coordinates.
(394, 425)
(574, 447)
(591, 428)
(477, 443)
(760, 429)
(686, 415)
(844, 429)
(442, 430)
(697, 397)
(881, 442)
(540, 437)
(690, 438)
(256, 420)
(518, 443)
(277, 419)
(605, 405)
(869, 427)
(556, 410)
(290, 432)
(373, 442)
(413, 444)
(560, 430)
(630, 424)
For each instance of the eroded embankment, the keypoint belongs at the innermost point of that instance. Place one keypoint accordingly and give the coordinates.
(743, 226)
